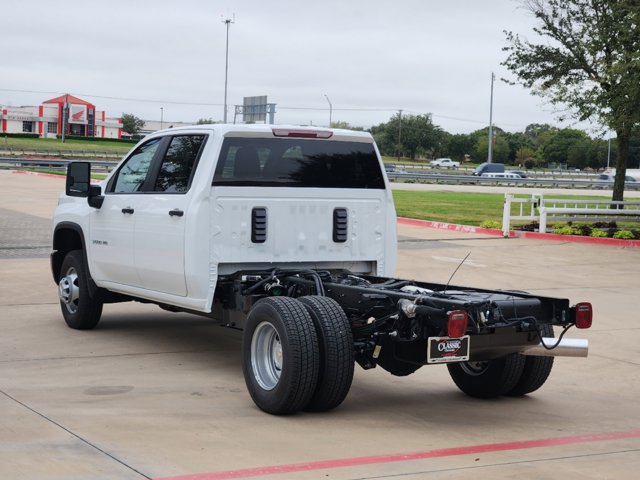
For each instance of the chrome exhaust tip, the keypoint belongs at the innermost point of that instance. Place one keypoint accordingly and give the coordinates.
(568, 347)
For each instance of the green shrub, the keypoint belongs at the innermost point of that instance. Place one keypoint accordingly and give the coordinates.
(599, 233)
(20, 135)
(490, 224)
(624, 234)
(566, 230)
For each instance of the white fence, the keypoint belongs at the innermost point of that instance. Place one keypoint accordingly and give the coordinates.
(536, 208)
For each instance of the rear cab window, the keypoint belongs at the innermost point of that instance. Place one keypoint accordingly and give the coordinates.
(298, 162)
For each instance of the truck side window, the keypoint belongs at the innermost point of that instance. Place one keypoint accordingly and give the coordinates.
(179, 163)
(134, 171)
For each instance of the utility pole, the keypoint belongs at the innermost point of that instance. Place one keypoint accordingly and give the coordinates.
(330, 108)
(399, 132)
(161, 117)
(227, 22)
(65, 116)
(490, 155)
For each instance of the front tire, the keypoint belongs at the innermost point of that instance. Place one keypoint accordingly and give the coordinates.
(79, 309)
(488, 379)
(337, 355)
(280, 355)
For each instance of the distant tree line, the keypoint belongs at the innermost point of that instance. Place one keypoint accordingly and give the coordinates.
(417, 137)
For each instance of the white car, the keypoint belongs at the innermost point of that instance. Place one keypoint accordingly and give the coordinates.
(444, 163)
(501, 175)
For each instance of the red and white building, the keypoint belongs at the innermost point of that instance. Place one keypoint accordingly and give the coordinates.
(47, 120)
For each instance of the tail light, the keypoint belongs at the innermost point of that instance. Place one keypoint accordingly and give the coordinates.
(584, 315)
(457, 323)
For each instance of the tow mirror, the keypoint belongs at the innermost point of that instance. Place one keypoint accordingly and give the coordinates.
(78, 179)
(79, 184)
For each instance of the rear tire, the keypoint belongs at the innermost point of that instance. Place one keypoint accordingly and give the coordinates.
(488, 379)
(536, 370)
(79, 309)
(280, 355)
(337, 355)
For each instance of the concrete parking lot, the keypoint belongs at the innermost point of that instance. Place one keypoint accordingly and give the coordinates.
(153, 394)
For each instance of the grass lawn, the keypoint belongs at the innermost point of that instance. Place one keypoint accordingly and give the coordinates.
(68, 145)
(458, 207)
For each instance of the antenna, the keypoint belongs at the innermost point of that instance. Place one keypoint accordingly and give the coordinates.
(454, 272)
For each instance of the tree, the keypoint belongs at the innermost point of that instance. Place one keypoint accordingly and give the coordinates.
(589, 60)
(460, 145)
(408, 135)
(131, 124)
(205, 121)
(557, 148)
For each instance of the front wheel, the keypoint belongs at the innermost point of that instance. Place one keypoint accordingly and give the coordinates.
(280, 355)
(488, 379)
(79, 309)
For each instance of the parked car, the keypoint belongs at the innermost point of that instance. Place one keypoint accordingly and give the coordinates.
(444, 163)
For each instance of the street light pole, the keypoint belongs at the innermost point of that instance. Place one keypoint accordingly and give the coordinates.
(227, 22)
(490, 155)
(161, 117)
(330, 109)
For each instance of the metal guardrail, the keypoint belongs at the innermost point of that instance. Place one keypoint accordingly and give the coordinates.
(423, 177)
(52, 163)
(514, 182)
(566, 210)
(31, 152)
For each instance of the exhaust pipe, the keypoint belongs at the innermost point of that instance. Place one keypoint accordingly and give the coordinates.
(568, 347)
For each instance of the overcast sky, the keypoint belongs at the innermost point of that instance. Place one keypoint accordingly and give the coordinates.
(370, 57)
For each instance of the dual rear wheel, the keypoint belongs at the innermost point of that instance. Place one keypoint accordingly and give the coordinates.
(514, 375)
(297, 354)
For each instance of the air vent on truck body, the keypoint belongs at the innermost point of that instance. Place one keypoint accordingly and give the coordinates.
(340, 223)
(259, 225)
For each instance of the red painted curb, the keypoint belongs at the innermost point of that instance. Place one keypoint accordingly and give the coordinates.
(450, 226)
(611, 242)
(403, 457)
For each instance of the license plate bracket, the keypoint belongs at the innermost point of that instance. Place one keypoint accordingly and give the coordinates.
(447, 349)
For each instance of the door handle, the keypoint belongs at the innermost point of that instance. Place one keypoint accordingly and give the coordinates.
(127, 210)
(176, 212)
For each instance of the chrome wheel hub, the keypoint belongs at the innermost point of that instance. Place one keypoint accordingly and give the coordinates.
(69, 290)
(266, 356)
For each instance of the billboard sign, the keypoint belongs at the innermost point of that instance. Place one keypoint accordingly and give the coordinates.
(254, 109)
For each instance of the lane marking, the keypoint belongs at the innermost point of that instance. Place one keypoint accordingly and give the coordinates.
(403, 457)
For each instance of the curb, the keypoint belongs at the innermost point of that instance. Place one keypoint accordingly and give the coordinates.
(452, 227)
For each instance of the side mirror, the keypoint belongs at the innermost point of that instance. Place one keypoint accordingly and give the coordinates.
(79, 184)
(78, 179)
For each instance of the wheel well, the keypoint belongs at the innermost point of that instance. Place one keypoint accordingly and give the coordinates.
(65, 239)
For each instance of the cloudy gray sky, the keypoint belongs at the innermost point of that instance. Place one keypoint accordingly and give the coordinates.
(370, 57)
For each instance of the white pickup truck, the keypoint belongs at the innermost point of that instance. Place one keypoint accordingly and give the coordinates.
(444, 163)
(289, 233)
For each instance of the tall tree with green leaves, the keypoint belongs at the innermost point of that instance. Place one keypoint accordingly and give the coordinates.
(587, 58)
(131, 124)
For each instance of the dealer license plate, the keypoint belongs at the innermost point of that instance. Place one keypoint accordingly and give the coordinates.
(446, 350)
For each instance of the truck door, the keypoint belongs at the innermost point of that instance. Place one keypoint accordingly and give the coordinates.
(159, 233)
(112, 226)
